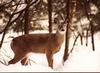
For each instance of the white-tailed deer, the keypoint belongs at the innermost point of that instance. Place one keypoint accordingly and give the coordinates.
(37, 43)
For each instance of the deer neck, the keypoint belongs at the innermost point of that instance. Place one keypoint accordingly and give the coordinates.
(60, 37)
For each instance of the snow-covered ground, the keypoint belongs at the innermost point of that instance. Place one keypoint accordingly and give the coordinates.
(82, 59)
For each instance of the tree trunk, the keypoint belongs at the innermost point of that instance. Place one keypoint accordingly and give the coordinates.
(50, 15)
(67, 22)
(49, 52)
(26, 20)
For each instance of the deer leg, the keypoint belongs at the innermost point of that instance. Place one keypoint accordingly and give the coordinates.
(49, 56)
(18, 56)
(24, 61)
(15, 59)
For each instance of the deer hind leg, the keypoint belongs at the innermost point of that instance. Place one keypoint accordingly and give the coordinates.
(15, 59)
(24, 61)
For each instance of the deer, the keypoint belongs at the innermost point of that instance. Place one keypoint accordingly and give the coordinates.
(37, 43)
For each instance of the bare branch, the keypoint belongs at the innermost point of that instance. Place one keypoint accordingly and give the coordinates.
(3, 63)
(7, 26)
(74, 43)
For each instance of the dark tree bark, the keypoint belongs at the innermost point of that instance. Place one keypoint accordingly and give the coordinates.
(50, 15)
(26, 19)
(26, 22)
(67, 22)
(49, 52)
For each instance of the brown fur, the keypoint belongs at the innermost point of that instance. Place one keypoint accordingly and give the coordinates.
(37, 43)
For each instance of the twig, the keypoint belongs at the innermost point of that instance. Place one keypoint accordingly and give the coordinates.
(81, 39)
(32, 61)
(74, 43)
(3, 63)
(92, 36)
(87, 37)
(7, 55)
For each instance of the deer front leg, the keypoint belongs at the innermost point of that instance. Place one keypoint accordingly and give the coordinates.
(49, 55)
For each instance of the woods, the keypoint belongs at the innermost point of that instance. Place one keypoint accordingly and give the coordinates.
(24, 15)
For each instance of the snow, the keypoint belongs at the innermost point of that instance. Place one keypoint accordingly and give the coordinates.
(21, 7)
(94, 9)
(82, 59)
